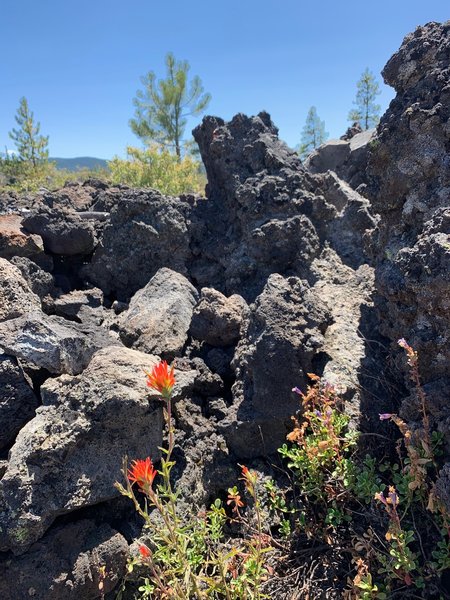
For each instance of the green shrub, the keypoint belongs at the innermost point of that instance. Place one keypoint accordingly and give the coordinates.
(158, 168)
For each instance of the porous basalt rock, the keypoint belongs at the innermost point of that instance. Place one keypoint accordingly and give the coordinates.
(17, 399)
(15, 241)
(409, 171)
(283, 333)
(158, 317)
(70, 454)
(16, 297)
(53, 343)
(146, 231)
(217, 319)
(70, 562)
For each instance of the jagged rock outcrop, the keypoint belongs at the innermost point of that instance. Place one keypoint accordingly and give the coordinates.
(409, 171)
(283, 334)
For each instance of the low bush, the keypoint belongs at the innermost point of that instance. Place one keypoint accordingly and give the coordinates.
(160, 169)
(374, 529)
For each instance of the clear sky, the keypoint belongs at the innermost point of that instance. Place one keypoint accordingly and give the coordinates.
(79, 62)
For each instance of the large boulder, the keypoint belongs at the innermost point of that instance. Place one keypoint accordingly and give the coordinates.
(16, 297)
(62, 230)
(146, 231)
(158, 318)
(71, 453)
(17, 399)
(52, 343)
(283, 334)
(69, 563)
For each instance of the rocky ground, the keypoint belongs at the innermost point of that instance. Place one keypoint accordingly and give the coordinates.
(282, 270)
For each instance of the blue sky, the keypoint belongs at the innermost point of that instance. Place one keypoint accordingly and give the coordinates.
(79, 63)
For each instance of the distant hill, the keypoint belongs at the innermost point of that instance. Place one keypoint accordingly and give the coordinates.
(80, 162)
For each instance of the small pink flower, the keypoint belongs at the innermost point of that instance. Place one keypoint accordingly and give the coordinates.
(297, 390)
(385, 416)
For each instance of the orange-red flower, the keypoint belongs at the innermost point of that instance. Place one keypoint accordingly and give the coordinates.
(144, 551)
(143, 473)
(161, 379)
(249, 478)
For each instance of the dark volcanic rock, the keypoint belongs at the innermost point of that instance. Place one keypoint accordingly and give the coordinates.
(17, 400)
(40, 281)
(159, 315)
(16, 297)
(71, 453)
(410, 188)
(67, 564)
(63, 230)
(146, 231)
(283, 334)
(217, 319)
(347, 157)
(410, 185)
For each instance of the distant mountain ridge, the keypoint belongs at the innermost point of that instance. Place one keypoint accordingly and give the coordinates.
(80, 162)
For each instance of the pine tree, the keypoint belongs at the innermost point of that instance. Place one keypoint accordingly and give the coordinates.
(163, 106)
(32, 147)
(367, 113)
(313, 134)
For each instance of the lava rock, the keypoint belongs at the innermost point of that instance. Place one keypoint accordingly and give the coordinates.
(17, 400)
(51, 342)
(217, 319)
(16, 297)
(67, 563)
(63, 230)
(71, 453)
(15, 241)
(283, 333)
(159, 315)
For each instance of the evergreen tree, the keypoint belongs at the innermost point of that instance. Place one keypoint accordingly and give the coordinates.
(313, 134)
(32, 147)
(162, 106)
(367, 113)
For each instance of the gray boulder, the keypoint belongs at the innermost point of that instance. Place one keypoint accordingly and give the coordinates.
(159, 315)
(217, 319)
(16, 297)
(17, 400)
(67, 564)
(346, 157)
(51, 342)
(71, 453)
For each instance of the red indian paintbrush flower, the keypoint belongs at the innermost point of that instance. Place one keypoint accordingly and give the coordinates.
(143, 473)
(161, 379)
(144, 552)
